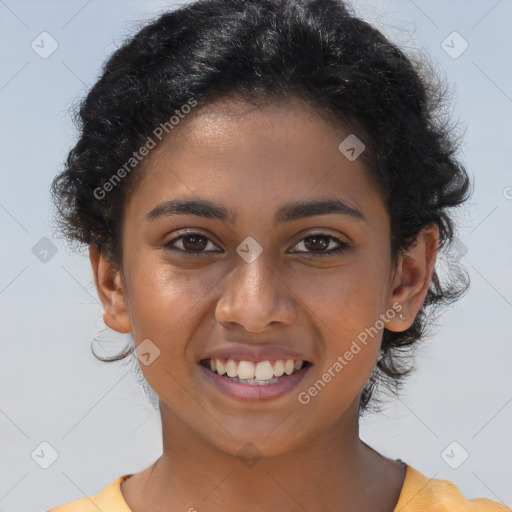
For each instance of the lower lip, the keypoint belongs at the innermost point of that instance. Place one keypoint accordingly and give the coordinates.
(254, 391)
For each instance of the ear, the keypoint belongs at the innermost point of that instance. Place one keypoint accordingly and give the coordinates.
(110, 291)
(413, 276)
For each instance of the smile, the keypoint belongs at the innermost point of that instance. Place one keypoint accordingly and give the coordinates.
(254, 380)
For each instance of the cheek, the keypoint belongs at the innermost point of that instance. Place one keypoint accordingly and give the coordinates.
(163, 305)
(346, 299)
(350, 349)
(161, 298)
(345, 307)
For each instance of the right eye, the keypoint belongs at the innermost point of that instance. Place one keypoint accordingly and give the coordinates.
(192, 244)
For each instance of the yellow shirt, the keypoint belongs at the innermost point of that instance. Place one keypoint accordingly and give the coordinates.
(419, 494)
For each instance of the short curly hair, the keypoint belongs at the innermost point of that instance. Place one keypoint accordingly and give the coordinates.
(266, 51)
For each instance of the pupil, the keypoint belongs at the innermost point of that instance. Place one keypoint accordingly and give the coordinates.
(315, 239)
(194, 243)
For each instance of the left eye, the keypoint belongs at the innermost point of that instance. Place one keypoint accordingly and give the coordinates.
(322, 242)
(194, 244)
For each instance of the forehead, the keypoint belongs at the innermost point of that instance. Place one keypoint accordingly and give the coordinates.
(245, 154)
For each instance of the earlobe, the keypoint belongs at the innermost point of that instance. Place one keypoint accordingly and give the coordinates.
(110, 290)
(413, 277)
(112, 322)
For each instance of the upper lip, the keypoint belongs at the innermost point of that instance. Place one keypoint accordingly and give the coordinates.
(261, 353)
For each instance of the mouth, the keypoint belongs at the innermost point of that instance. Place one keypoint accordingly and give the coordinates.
(255, 373)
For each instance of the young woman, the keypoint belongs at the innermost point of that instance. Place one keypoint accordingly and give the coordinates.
(264, 188)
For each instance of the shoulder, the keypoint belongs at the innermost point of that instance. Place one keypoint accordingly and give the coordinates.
(423, 494)
(419, 494)
(110, 499)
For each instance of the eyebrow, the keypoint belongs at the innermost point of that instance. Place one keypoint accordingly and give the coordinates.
(286, 213)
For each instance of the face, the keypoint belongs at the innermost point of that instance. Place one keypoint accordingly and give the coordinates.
(254, 281)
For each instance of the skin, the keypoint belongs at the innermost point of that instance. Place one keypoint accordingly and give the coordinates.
(253, 160)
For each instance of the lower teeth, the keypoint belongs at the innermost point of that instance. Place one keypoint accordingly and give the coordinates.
(253, 382)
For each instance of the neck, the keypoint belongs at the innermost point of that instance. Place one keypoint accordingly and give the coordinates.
(333, 471)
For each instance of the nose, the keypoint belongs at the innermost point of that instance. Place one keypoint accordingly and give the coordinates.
(255, 295)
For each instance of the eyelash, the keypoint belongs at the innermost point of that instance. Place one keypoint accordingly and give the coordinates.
(342, 248)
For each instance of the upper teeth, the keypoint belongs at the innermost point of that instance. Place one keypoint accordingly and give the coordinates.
(262, 370)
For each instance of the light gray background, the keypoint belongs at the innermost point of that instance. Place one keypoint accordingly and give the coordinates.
(94, 414)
